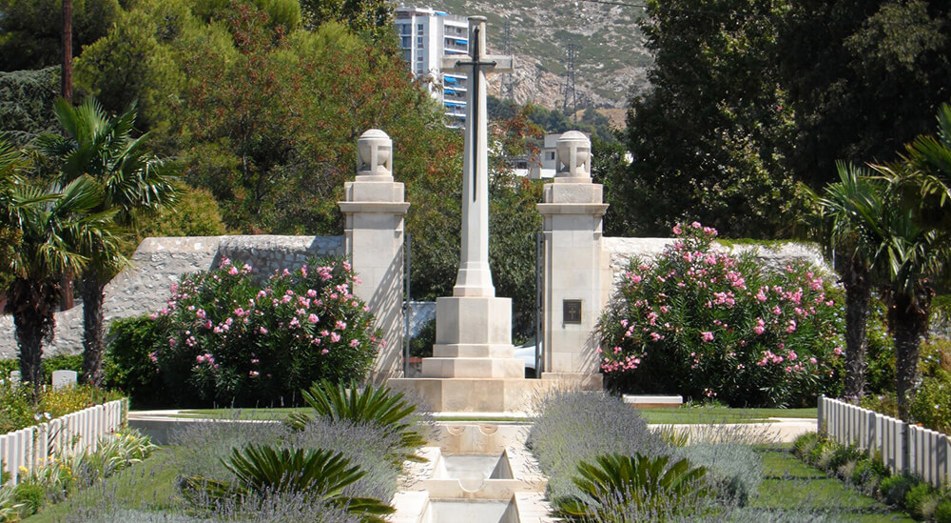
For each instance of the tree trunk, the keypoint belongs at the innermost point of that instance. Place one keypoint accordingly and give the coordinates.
(908, 324)
(67, 76)
(92, 293)
(857, 294)
(33, 304)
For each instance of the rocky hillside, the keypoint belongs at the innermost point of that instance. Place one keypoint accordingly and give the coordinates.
(610, 58)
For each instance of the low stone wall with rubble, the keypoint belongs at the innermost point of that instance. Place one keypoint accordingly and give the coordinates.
(159, 262)
(621, 250)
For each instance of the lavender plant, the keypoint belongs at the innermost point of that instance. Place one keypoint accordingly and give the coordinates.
(229, 341)
(705, 324)
(574, 427)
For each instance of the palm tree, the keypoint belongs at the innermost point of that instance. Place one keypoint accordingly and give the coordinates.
(55, 229)
(848, 209)
(923, 176)
(914, 257)
(918, 246)
(129, 179)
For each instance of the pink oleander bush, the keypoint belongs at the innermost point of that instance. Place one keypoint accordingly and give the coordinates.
(224, 339)
(710, 325)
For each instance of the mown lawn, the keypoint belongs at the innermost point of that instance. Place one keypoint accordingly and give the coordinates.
(790, 484)
(694, 415)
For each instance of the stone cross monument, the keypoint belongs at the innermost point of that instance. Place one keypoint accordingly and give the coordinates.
(473, 368)
(474, 278)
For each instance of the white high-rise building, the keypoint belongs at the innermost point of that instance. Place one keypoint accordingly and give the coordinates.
(425, 36)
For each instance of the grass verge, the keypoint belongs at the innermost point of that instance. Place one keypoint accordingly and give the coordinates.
(695, 415)
(791, 485)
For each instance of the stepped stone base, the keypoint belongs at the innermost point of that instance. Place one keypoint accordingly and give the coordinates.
(498, 395)
(487, 368)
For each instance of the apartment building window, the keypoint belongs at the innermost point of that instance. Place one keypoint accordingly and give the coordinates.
(419, 41)
(419, 29)
(405, 29)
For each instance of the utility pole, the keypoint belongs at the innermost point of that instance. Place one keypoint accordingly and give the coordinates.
(570, 95)
(508, 80)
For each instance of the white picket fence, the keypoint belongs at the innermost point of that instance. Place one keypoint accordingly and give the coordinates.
(73, 433)
(905, 448)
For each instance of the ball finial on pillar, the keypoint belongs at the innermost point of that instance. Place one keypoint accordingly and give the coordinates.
(374, 154)
(574, 156)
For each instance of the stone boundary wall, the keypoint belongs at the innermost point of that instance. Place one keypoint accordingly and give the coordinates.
(621, 250)
(159, 262)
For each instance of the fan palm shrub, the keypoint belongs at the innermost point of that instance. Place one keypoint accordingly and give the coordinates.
(263, 471)
(617, 487)
(372, 405)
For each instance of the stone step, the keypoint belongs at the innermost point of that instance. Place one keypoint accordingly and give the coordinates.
(473, 368)
(470, 350)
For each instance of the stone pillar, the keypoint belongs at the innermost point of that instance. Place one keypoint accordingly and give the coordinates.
(577, 272)
(374, 210)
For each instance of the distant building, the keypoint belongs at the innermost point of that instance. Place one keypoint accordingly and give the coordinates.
(425, 36)
(542, 164)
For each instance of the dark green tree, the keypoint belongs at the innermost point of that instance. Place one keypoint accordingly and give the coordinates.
(30, 30)
(373, 17)
(706, 137)
(863, 78)
(25, 101)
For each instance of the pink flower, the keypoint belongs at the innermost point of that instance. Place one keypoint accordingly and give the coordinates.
(695, 225)
(334, 337)
(253, 373)
(324, 351)
(837, 351)
(340, 325)
(311, 293)
(262, 330)
(354, 343)
(313, 318)
(791, 327)
(678, 230)
(812, 360)
(706, 336)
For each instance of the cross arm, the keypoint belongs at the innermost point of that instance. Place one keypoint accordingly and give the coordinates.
(491, 64)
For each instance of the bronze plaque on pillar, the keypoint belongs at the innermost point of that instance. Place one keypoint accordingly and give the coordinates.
(571, 312)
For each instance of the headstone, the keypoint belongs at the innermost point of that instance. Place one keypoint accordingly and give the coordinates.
(64, 378)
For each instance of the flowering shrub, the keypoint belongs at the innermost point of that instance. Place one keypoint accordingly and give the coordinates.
(706, 324)
(229, 341)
